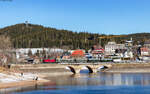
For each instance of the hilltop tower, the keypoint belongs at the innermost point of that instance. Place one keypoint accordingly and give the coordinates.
(26, 23)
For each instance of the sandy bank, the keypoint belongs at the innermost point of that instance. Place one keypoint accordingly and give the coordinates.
(22, 83)
(14, 78)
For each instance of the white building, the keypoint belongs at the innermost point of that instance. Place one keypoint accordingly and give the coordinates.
(144, 51)
(128, 54)
(147, 44)
(24, 51)
(111, 47)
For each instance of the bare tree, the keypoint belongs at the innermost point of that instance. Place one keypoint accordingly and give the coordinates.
(5, 43)
(5, 49)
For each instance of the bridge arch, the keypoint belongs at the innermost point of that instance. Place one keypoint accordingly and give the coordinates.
(103, 67)
(71, 69)
(90, 69)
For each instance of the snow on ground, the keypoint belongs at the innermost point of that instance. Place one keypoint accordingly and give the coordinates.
(16, 77)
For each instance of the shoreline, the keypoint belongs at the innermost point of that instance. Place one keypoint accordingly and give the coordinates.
(14, 78)
(22, 83)
(56, 70)
(128, 70)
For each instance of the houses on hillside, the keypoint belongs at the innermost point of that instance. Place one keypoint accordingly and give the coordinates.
(111, 50)
(97, 51)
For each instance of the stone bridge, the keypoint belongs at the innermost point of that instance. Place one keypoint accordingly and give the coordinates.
(93, 68)
(76, 67)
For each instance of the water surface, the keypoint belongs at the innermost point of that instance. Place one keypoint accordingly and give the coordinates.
(100, 83)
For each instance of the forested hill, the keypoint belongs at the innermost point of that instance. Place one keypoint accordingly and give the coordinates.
(34, 36)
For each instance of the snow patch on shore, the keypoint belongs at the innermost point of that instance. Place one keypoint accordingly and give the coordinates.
(16, 77)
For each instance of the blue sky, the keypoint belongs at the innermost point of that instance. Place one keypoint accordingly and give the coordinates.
(95, 16)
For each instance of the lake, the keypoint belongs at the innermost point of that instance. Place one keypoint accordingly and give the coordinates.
(84, 83)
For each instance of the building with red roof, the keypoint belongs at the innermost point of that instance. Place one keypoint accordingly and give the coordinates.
(144, 51)
(78, 53)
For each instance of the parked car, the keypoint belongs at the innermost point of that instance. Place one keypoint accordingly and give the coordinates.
(88, 55)
(30, 60)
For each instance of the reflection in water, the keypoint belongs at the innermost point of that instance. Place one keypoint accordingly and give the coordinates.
(19, 89)
(99, 80)
(29, 88)
(108, 79)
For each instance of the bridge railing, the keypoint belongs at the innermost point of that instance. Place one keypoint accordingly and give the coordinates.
(93, 61)
(80, 61)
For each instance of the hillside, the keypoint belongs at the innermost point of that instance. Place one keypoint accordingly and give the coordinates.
(33, 36)
(39, 36)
